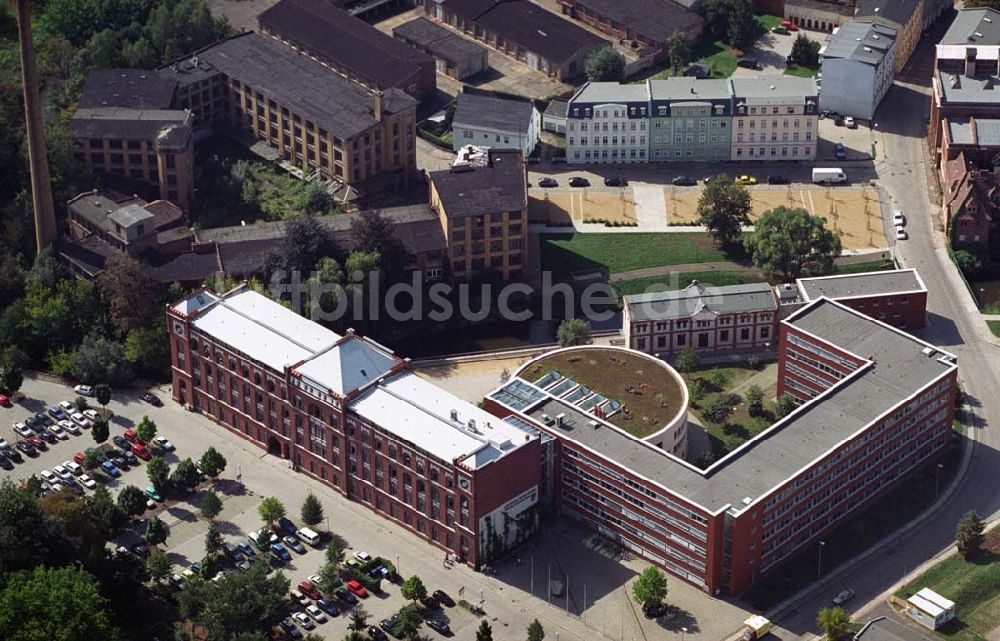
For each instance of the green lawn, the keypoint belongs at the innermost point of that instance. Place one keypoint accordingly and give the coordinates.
(801, 72)
(717, 54)
(767, 21)
(680, 280)
(974, 586)
(867, 266)
(994, 327)
(566, 253)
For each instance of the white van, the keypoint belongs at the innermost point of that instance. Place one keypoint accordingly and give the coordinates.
(829, 175)
(309, 536)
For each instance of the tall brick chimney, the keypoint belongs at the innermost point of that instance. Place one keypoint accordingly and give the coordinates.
(378, 106)
(970, 62)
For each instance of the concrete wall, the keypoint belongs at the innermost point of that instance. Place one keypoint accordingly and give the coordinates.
(848, 88)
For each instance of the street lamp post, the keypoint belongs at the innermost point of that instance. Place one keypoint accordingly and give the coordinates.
(683, 632)
(937, 478)
(819, 563)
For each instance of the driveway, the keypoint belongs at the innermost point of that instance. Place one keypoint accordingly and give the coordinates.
(771, 49)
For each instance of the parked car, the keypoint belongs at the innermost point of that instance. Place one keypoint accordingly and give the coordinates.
(375, 634)
(58, 432)
(310, 590)
(288, 626)
(141, 451)
(579, 181)
(303, 620)
(62, 472)
(84, 390)
(152, 400)
(389, 625)
(744, 179)
(548, 181)
(780, 29)
(110, 469)
(131, 437)
(345, 596)
(327, 606)
(778, 179)
(615, 181)
(120, 442)
(130, 458)
(898, 219)
(57, 413)
(293, 543)
(357, 589)
(843, 597)
(119, 461)
(683, 181)
(10, 452)
(44, 419)
(287, 526)
(81, 420)
(901, 234)
(70, 427)
(4, 400)
(281, 552)
(48, 475)
(439, 626)
(48, 436)
(164, 442)
(79, 457)
(23, 430)
(256, 538)
(246, 549)
(840, 151)
(73, 467)
(151, 492)
(27, 448)
(5, 462)
(67, 406)
(37, 442)
(838, 120)
(87, 482)
(362, 556)
(91, 415)
(430, 602)
(849, 122)
(748, 62)
(316, 614)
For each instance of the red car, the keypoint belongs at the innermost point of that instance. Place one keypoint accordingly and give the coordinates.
(4, 400)
(141, 451)
(37, 442)
(79, 457)
(131, 437)
(308, 589)
(357, 589)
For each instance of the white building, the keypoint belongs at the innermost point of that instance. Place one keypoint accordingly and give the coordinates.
(857, 65)
(930, 609)
(498, 123)
(774, 118)
(606, 122)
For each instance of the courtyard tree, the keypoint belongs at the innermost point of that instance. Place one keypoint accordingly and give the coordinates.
(212, 463)
(833, 622)
(145, 430)
(604, 65)
(484, 632)
(329, 580)
(724, 208)
(742, 28)
(156, 531)
(237, 603)
(185, 476)
(211, 505)
(805, 52)
(754, 397)
(784, 406)
(792, 243)
(535, 631)
(213, 540)
(969, 535)
(100, 431)
(650, 589)
(408, 624)
(102, 393)
(718, 409)
(573, 331)
(158, 472)
(679, 52)
(271, 509)
(335, 549)
(132, 501)
(158, 565)
(11, 379)
(413, 589)
(312, 510)
(102, 505)
(359, 619)
(688, 360)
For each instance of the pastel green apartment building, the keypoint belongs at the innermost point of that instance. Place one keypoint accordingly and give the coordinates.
(690, 120)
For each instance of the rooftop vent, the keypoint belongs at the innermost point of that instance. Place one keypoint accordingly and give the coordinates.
(560, 419)
(978, 35)
(928, 351)
(868, 49)
(543, 33)
(454, 415)
(874, 36)
(987, 19)
(595, 425)
(747, 501)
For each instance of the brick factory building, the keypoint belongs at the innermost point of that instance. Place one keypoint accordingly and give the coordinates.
(876, 404)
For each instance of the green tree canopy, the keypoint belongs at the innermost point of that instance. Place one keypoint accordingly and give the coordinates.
(724, 208)
(679, 52)
(271, 509)
(131, 500)
(718, 409)
(335, 549)
(11, 379)
(805, 52)
(484, 632)
(156, 531)
(133, 298)
(158, 472)
(212, 462)
(793, 243)
(408, 624)
(100, 431)
(185, 476)
(535, 631)
(688, 360)
(784, 406)
(574, 331)
(833, 622)
(604, 65)
(158, 565)
(359, 619)
(312, 510)
(102, 394)
(145, 430)
(236, 603)
(650, 589)
(147, 350)
(101, 360)
(969, 535)
(54, 603)
(413, 589)
(753, 395)
(211, 505)
(105, 510)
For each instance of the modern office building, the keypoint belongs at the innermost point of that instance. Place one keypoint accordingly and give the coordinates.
(482, 204)
(775, 118)
(897, 297)
(522, 30)
(876, 405)
(690, 119)
(858, 65)
(129, 126)
(314, 118)
(348, 412)
(497, 123)
(606, 122)
(762, 118)
(454, 55)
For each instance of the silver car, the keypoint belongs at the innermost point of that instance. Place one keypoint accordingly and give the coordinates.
(843, 597)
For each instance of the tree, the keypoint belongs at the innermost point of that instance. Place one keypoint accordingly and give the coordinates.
(335, 549)
(718, 409)
(147, 350)
(976, 4)
(213, 540)
(102, 393)
(211, 505)
(101, 360)
(969, 535)
(313, 199)
(132, 297)
(650, 589)
(326, 289)
(100, 430)
(833, 622)
(145, 430)
(535, 631)
(62, 603)
(413, 589)
(312, 510)
(604, 65)
(80, 403)
(408, 624)
(688, 360)
(805, 52)
(359, 619)
(105, 510)
(236, 603)
(156, 531)
(91, 457)
(185, 476)
(679, 51)
(970, 264)
(574, 331)
(212, 462)
(754, 397)
(158, 472)
(792, 242)
(784, 406)
(132, 501)
(724, 208)
(11, 379)
(697, 389)
(484, 632)
(329, 580)
(742, 28)
(158, 565)
(271, 509)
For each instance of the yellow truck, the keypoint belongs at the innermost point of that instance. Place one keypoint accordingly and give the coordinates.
(756, 627)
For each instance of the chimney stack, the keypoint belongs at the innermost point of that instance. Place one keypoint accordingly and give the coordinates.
(970, 62)
(378, 106)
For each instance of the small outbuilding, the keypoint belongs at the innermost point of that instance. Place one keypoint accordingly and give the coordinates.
(930, 609)
(453, 54)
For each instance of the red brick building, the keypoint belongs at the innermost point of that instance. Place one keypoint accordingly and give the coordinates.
(346, 411)
(876, 404)
(971, 207)
(897, 297)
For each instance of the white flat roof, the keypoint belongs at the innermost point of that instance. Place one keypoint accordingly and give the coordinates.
(263, 329)
(349, 365)
(931, 602)
(420, 412)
